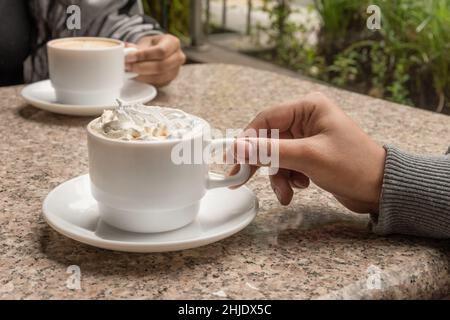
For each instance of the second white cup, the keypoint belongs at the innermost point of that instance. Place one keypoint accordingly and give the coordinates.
(87, 70)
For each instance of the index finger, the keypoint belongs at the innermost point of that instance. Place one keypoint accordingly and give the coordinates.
(277, 117)
(253, 168)
(297, 118)
(290, 118)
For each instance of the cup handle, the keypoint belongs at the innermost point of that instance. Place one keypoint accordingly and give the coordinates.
(126, 51)
(222, 181)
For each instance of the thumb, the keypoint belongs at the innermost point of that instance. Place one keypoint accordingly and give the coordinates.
(132, 56)
(289, 154)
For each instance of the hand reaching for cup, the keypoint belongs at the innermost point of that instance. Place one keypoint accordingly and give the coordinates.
(158, 59)
(319, 142)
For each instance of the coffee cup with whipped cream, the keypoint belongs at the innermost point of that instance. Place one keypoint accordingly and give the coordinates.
(136, 182)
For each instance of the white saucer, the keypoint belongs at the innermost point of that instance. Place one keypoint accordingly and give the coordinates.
(42, 95)
(71, 210)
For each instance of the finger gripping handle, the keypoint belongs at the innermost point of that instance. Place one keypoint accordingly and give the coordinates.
(222, 181)
(126, 51)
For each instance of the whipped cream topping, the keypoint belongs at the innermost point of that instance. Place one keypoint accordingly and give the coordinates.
(141, 122)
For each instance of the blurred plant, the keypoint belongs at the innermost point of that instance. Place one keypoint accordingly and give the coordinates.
(345, 68)
(342, 24)
(406, 61)
(398, 87)
(291, 46)
(177, 16)
(419, 34)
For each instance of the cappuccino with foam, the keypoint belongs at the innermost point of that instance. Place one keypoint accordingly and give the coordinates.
(84, 44)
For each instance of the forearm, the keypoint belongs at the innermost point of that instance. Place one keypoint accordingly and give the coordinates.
(415, 197)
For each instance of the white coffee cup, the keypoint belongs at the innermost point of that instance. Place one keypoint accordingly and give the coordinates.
(138, 186)
(87, 70)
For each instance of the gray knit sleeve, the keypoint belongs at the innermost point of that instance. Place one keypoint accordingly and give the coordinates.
(111, 19)
(415, 197)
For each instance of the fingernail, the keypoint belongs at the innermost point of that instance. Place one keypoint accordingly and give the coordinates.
(299, 184)
(127, 67)
(130, 58)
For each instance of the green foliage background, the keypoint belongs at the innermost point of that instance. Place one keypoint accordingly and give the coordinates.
(178, 16)
(407, 61)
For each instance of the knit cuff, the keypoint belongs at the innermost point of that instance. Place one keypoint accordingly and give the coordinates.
(415, 197)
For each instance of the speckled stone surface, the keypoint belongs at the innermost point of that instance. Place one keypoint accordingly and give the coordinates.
(313, 248)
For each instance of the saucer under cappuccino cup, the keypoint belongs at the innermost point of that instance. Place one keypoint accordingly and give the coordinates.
(87, 70)
(138, 186)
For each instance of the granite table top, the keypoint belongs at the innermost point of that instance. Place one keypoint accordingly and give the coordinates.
(311, 249)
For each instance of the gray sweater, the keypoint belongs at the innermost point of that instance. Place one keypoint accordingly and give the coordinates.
(415, 197)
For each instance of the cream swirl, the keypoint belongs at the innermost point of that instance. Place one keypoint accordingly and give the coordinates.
(141, 122)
